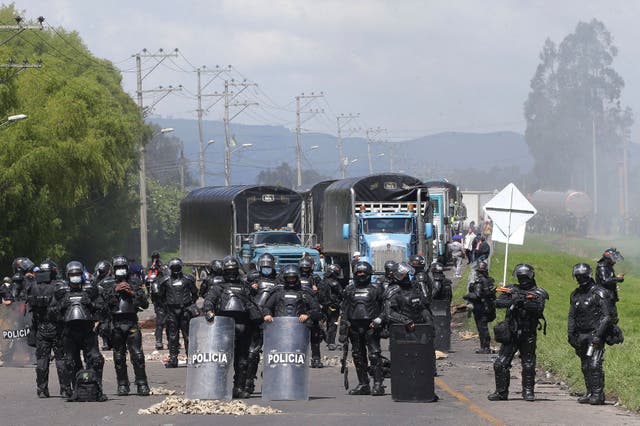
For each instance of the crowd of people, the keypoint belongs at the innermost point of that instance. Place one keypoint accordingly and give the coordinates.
(592, 322)
(72, 309)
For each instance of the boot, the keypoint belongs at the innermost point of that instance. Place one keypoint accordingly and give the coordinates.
(331, 346)
(315, 356)
(316, 363)
(502, 385)
(172, 362)
(143, 389)
(363, 382)
(377, 390)
(239, 384)
(123, 389)
(42, 383)
(159, 346)
(43, 392)
(597, 387)
(528, 383)
(252, 371)
(122, 378)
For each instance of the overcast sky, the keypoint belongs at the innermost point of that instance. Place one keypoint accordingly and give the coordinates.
(412, 67)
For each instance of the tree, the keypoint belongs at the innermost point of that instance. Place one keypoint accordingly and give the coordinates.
(284, 175)
(574, 91)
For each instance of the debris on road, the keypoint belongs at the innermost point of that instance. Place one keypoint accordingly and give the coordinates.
(163, 391)
(441, 355)
(173, 405)
(466, 335)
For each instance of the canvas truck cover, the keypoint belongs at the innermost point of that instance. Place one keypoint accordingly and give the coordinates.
(209, 217)
(341, 196)
(453, 190)
(314, 198)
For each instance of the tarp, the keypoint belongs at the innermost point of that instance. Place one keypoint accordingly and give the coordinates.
(210, 216)
(315, 199)
(285, 370)
(210, 358)
(341, 196)
(15, 325)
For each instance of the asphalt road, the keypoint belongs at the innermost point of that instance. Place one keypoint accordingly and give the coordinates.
(465, 380)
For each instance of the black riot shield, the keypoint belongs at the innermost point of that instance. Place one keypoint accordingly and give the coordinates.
(15, 323)
(210, 358)
(442, 319)
(412, 363)
(285, 353)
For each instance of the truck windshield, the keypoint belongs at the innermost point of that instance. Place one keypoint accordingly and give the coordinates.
(278, 238)
(387, 225)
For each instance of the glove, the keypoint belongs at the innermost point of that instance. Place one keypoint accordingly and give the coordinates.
(209, 316)
(124, 287)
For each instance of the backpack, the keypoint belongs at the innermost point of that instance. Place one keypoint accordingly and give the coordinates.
(87, 387)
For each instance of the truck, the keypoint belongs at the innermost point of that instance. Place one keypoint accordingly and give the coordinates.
(383, 216)
(448, 215)
(563, 212)
(245, 221)
(473, 202)
(312, 213)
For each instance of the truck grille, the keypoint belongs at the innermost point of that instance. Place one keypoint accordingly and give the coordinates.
(287, 259)
(382, 254)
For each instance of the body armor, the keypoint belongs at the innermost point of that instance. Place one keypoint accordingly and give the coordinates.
(265, 287)
(77, 310)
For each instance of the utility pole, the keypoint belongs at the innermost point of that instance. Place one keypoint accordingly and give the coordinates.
(595, 168)
(20, 27)
(144, 254)
(181, 165)
(371, 133)
(299, 111)
(200, 111)
(19, 67)
(625, 182)
(228, 103)
(347, 118)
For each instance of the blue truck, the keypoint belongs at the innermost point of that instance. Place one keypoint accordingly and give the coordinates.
(448, 216)
(245, 221)
(383, 217)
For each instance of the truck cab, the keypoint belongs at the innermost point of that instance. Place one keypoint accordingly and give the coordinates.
(284, 244)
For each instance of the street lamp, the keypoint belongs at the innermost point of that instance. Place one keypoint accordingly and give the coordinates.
(144, 245)
(12, 119)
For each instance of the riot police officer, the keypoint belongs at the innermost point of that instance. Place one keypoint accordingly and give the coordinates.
(421, 275)
(482, 295)
(104, 280)
(291, 300)
(362, 318)
(155, 272)
(525, 305)
(310, 282)
(178, 293)
(589, 319)
(387, 279)
(48, 330)
(78, 308)
(607, 278)
(441, 284)
(214, 277)
(232, 298)
(261, 289)
(331, 296)
(124, 300)
(406, 302)
(23, 278)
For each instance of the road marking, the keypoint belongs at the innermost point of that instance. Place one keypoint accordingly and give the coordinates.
(470, 405)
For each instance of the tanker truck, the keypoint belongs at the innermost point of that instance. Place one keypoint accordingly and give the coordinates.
(562, 212)
(382, 216)
(245, 221)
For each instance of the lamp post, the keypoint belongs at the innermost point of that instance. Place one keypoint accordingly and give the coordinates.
(227, 167)
(12, 119)
(144, 245)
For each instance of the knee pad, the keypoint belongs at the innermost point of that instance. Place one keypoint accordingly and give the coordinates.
(137, 357)
(118, 358)
(96, 362)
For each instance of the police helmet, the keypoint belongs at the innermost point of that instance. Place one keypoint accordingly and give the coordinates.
(253, 276)
(155, 255)
(437, 268)
(334, 270)
(120, 266)
(482, 268)
(102, 268)
(362, 272)
(216, 267)
(306, 265)
(389, 266)
(267, 264)
(230, 267)
(175, 265)
(22, 265)
(75, 273)
(48, 271)
(402, 271)
(291, 276)
(417, 262)
(524, 270)
(612, 255)
(582, 272)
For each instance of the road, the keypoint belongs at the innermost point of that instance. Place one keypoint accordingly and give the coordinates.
(464, 381)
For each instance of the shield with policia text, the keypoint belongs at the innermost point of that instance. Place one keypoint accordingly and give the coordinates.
(442, 320)
(15, 325)
(285, 354)
(412, 363)
(210, 358)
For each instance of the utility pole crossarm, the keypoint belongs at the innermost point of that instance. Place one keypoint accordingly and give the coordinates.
(346, 118)
(299, 111)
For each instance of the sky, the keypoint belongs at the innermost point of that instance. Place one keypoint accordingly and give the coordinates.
(412, 68)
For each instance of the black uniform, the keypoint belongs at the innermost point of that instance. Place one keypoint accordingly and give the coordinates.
(331, 295)
(154, 275)
(311, 283)
(406, 304)
(589, 319)
(525, 305)
(124, 300)
(362, 317)
(232, 298)
(78, 309)
(291, 302)
(441, 287)
(48, 331)
(178, 293)
(105, 284)
(482, 294)
(607, 278)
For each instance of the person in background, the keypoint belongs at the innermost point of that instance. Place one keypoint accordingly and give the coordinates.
(457, 253)
(468, 244)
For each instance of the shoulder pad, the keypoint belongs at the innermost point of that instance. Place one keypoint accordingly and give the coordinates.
(164, 279)
(391, 290)
(217, 280)
(541, 292)
(600, 291)
(189, 277)
(107, 282)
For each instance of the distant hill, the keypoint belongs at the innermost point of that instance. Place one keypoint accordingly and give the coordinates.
(434, 156)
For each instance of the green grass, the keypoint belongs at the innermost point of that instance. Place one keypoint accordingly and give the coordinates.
(553, 264)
